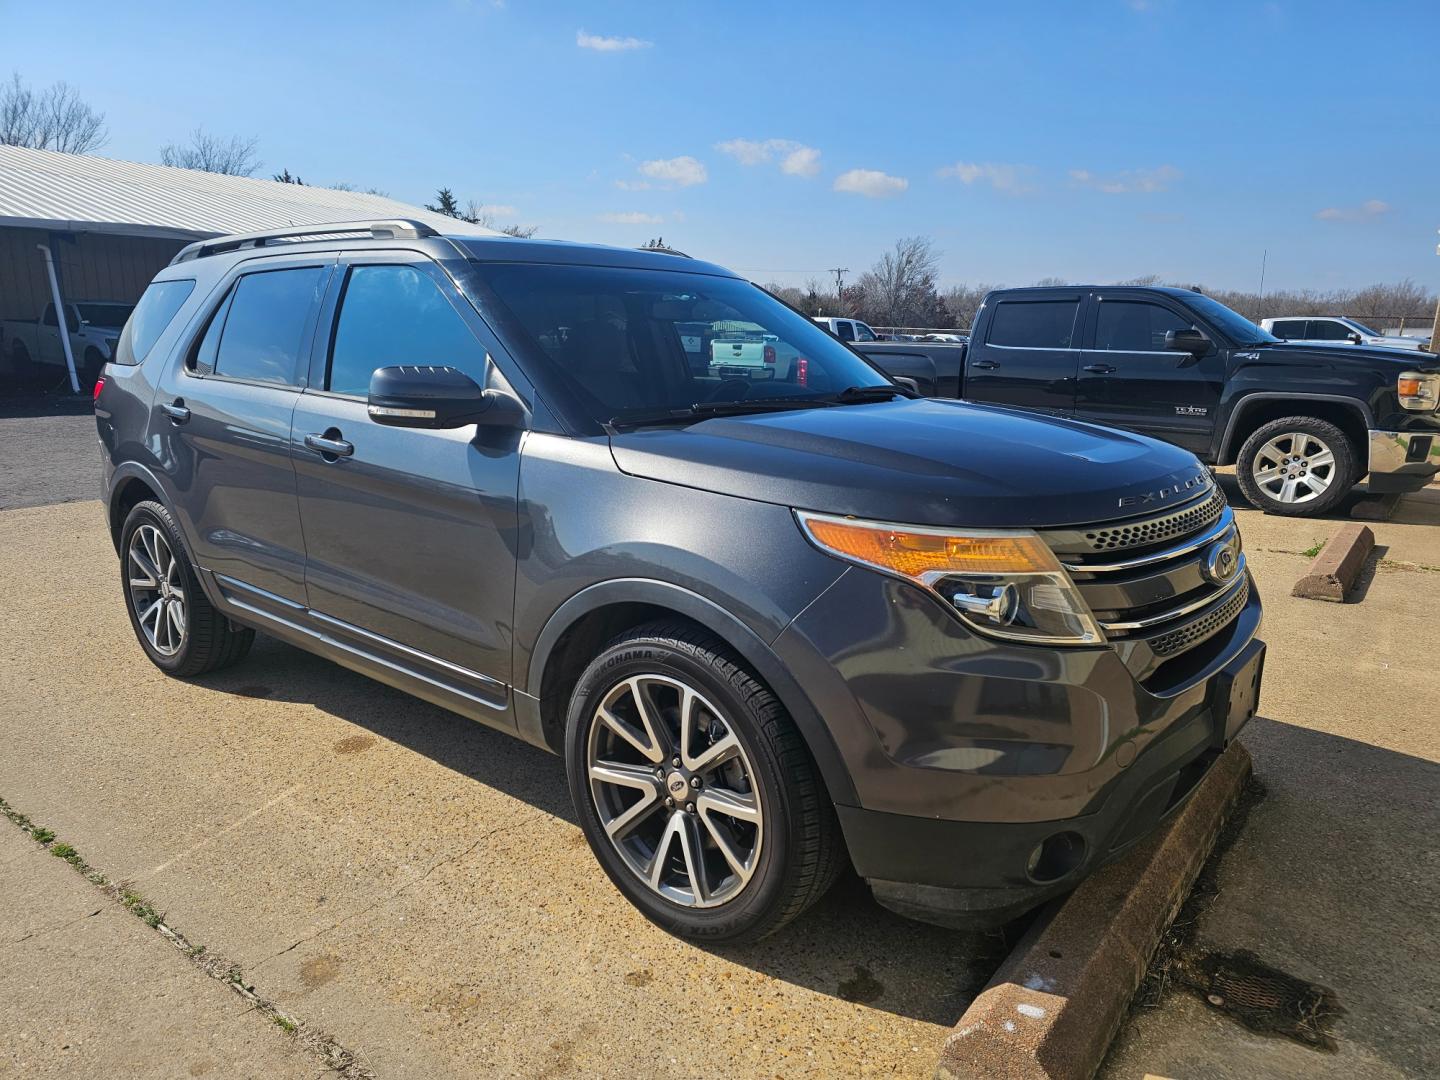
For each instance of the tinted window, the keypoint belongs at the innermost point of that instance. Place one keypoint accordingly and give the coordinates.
(1132, 327)
(397, 315)
(1329, 330)
(631, 342)
(1233, 325)
(1034, 324)
(863, 332)
(111, 316)
(845, 330)
(49, 319)
(151, 316)
(1290, 328)
(264, 325)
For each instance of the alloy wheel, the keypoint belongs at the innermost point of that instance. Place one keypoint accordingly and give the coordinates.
(157, 593)
(674, 790)
(1293, 468)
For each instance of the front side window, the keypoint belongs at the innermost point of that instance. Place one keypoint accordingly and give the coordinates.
(633, 342)
(1127, 326)
(258, 333)
(1329, 330)
(863, 332)
(151, 316)
(394, 314)
(1232, 324)
(1034, 324)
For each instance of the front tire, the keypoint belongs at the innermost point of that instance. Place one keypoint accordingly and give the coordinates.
(1297, 466)
(180, 630)
(748, 839)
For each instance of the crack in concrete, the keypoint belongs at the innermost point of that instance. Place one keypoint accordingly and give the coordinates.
(488, 834)
(51, 929)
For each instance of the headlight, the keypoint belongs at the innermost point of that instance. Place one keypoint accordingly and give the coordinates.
(1003, 583)
(1418, 392)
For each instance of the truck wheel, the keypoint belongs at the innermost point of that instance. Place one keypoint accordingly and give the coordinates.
(1297, 466)
(695, 791)
(179, 629)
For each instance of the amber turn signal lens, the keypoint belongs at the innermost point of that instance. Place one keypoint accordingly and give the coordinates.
(1408, 387)
(924, 554)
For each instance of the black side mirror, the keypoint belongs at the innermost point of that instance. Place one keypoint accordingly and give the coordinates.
(1355, 339)
(411, 395)
(1187, 341)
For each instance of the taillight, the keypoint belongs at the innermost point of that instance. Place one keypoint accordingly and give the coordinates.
(770, 355)
(802, 371)
(99, 385)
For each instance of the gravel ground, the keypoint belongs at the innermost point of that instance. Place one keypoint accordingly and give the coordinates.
(48, 451)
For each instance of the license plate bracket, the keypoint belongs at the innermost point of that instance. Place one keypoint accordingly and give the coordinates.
(1235, 694)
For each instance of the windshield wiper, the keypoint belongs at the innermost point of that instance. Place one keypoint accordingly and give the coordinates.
(707, 409)
(859, 395)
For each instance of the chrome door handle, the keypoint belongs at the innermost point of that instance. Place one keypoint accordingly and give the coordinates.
(175, 410)
(337, 448)
(1099, 369)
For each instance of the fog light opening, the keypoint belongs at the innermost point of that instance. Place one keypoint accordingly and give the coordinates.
(1055, 857)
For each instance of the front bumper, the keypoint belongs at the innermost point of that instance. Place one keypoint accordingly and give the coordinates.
(969, 753)
(1403, 461)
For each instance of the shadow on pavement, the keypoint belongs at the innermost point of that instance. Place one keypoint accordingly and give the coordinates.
(15, 405)
(847, 946)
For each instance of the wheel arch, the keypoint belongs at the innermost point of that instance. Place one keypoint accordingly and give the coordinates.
(1250, 412)
(581, 626)
(131, 484)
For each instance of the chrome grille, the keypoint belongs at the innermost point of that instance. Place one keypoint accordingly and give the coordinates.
(1142, 532)
(1202, 629)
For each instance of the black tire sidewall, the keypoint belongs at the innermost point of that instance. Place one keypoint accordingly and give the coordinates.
(1346, 466)
(152, 513)
(765, 892)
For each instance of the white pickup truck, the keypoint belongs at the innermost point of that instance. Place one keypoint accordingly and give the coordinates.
(1340, 329)
(846, 329)
(30, 349)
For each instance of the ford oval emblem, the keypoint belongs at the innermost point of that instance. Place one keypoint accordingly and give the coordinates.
(1222, 560)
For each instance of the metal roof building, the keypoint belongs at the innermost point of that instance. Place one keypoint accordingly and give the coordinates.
(108, 226)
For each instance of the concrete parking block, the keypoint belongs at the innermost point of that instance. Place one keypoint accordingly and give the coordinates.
(1054, 1005)
(1339, 563)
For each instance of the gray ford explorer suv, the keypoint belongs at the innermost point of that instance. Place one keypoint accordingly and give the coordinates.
(776, 621)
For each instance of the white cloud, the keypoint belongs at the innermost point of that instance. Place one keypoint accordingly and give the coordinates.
(1001, 177)
(681, 171)
(499, 210)
(634, 217)
(871, 183)
(633, 185)
(1128, 181)
(1370, 208)
(796, 159)
(601, 43)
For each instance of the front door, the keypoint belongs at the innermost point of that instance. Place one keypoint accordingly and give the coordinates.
(1029, 355)
(410, 534)
(222, 426)
(1129, 379)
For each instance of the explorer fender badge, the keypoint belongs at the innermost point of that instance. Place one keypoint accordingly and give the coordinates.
(1146, 498)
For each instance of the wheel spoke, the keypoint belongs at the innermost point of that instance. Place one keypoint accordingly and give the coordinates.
(621, 826)
(716, 754)
(650, 749)
(1320, 459)
(641, 777)
(1267, 476)
(656, 871)
(693, 853)
(153, 611)
(177, 623)
(741, 806)
(152, 574)
(1315, 482)
(1287, 490)
(725, 842)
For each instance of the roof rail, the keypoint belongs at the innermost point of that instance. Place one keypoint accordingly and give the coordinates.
(663, 249)
(383, 229)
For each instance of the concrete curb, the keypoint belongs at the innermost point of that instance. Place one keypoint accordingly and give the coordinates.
(1335, 569)
(1060, 997)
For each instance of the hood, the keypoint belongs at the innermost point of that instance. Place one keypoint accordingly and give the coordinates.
(1342, 353)
(921, 462)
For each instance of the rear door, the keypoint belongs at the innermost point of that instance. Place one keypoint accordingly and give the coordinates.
(410, 534)
(1129, 379)
(1030, 353)
(222, 427)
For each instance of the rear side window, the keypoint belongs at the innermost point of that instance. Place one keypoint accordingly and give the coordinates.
(155, 311)
(1290, 328)
(1034, 324)
(394, 314)
(1328, 330)
(1127, 326)
(258, 332)
(845, 330)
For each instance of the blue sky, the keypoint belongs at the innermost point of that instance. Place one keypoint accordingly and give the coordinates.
(1096, 141)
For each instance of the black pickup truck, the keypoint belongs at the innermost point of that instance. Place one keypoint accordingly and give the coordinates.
(1302, 422)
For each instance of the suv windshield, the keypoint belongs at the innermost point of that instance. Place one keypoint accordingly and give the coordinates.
(641, 343)
(1232, 324)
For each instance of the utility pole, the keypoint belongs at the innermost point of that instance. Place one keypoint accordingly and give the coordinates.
(1435, 329)
(840, 272)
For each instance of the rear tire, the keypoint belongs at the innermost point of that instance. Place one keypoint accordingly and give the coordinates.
(1297, 466)
(181, 632)
(750, 842)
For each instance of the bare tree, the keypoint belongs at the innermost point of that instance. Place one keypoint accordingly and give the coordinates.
(211, 153)
(478, 214)
(51, 119)
(899, 290)
(963, 301)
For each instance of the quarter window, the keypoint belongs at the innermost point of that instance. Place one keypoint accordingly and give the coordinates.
(1126, 326)
(394, 314)
(1034, 324)
(151, 316)
(258, 333)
